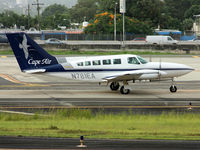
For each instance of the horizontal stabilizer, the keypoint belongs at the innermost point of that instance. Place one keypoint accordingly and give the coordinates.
(35, 71)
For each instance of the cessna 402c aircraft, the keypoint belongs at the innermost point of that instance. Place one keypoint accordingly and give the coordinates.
(113, 69)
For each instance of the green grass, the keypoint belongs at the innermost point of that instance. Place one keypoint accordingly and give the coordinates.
(108, 52)
(73, 123)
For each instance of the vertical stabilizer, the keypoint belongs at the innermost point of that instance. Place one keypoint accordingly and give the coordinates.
(28, 53)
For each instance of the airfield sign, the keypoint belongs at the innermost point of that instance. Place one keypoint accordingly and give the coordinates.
(122, 6)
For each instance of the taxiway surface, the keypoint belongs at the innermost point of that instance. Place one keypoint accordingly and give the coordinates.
(24, 92)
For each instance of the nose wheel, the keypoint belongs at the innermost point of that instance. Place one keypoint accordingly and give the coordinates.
(173, 89)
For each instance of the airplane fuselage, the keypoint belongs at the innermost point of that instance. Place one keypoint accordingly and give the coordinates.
(85, 68)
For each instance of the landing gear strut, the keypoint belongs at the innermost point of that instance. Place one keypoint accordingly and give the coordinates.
(114, 86)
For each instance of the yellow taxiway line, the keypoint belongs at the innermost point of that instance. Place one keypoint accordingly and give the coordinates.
(13, 80)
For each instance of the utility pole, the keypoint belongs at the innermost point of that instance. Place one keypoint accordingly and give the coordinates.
(38, 11)
(28, 16)
(115, 22)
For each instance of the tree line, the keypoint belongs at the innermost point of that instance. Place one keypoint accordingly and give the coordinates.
(142, 16)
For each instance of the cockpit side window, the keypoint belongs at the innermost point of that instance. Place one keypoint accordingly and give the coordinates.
(133, 60)
(142, 60)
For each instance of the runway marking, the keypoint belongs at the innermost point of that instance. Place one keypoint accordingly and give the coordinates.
(189, 90)
(15, 112)
(97, 107)
(21, 113)
(14, 80)
(11, 79)
(195, 56)
(3, 56)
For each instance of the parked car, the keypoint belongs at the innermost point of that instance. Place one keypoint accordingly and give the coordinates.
(196, 39)
(160, 39)
(53, 41)
(139, 39)
(3, 39)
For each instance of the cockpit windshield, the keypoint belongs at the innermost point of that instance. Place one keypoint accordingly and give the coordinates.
(142, 60)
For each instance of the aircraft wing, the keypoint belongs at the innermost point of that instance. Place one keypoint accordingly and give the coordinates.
(133, 75)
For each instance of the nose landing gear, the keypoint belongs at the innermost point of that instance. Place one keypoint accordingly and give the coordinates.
(173, 88)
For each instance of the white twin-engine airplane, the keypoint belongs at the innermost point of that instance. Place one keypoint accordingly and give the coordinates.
(113, 69)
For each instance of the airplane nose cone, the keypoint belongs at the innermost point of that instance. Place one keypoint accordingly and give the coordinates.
(190, 69)
(176, 70)
(185, 69)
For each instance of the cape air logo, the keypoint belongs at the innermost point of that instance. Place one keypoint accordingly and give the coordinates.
(24, 46)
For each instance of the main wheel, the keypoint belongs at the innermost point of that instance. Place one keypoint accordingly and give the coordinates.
(173, 89)
(114, 86)
(124, 91)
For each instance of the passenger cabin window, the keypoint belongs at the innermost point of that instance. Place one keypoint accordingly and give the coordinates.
(107, 62)
(87, 63)
(80, 64)
(133, 60)
(96, 62)
(116, 61)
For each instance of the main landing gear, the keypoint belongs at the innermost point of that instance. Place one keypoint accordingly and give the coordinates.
(124, 90)
(114, 86)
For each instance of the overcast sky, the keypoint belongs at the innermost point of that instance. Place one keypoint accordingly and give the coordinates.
(20, 6)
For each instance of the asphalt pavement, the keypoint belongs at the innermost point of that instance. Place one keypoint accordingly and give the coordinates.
(95, 144)
(21, 92)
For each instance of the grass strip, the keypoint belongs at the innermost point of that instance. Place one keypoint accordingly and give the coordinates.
(76, 122)
(108, 52)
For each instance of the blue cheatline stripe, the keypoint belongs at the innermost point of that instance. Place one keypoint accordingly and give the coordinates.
(111, 70)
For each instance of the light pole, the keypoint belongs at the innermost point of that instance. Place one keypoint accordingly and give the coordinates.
(159, 24)
(123, 11)
(123, 31)
(115, 22)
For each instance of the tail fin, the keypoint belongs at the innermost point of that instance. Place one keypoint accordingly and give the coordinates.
(28, 53)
